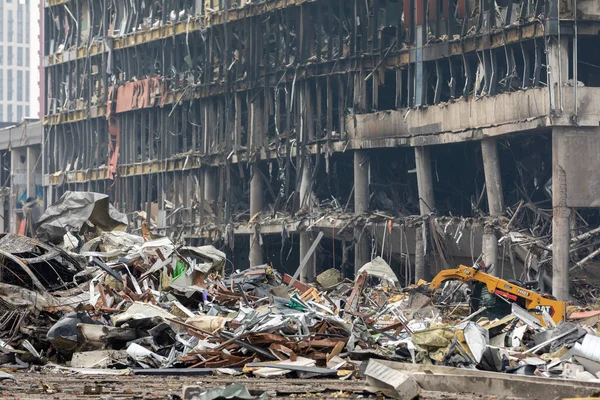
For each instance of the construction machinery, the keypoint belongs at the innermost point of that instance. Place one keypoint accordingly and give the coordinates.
(535, 303)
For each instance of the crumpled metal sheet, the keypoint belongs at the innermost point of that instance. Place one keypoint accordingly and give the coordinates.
(380, 269)
(18, 244)
(115, 244)
(24, 299)
(140, 94)
(215, 258)
(140, 311)
(477, 339)
(72, 210)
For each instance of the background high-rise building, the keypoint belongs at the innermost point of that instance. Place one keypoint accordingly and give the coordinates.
(19, 60)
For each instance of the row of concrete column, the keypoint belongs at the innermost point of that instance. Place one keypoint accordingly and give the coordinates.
(362, 253)
(427, 202)
(427, 206)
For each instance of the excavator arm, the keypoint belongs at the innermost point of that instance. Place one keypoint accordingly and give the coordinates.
(534, 302)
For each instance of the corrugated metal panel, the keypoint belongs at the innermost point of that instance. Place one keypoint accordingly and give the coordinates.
(140, 94)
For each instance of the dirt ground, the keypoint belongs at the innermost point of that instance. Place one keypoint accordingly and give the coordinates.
(40, 385)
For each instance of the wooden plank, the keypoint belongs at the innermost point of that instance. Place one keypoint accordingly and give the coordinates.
(296, 284)
(352, 303)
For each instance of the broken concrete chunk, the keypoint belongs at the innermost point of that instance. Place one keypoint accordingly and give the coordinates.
(391, 382)
(99, 359)
(570, 370)
(208, 323)
(585, 376)
(589, 365)
(329, 278)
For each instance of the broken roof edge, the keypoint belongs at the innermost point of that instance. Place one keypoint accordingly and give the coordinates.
(22, 134)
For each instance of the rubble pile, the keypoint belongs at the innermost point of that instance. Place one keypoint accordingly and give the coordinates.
(107, 301)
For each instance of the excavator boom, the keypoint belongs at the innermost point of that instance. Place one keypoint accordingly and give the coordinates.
(535, 302)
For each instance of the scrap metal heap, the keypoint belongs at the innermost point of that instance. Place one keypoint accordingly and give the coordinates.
(105, 301)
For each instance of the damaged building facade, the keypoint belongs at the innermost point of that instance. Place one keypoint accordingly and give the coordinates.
(426, 132)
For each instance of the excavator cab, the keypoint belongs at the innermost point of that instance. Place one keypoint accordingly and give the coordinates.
(532, 285)
(495, 306)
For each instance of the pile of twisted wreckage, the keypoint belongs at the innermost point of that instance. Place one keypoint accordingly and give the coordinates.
(90, 298)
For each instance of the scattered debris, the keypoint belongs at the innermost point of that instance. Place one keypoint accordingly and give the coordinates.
(125, 304)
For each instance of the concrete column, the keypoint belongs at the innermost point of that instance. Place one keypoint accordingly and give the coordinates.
(424, 180)
(33, 167)
(558, 70)
(426, 206)
(256, 206)
(420, 73)
(495, 197)
(490, 249)
(309, 273)
(560, 219)
(18, 183)
(198, 7)
(210, 185)
(420, 272)
(493, 177)
(362, 254)
(306, 201)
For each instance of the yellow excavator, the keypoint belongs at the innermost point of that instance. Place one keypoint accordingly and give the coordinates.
(532, 301)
